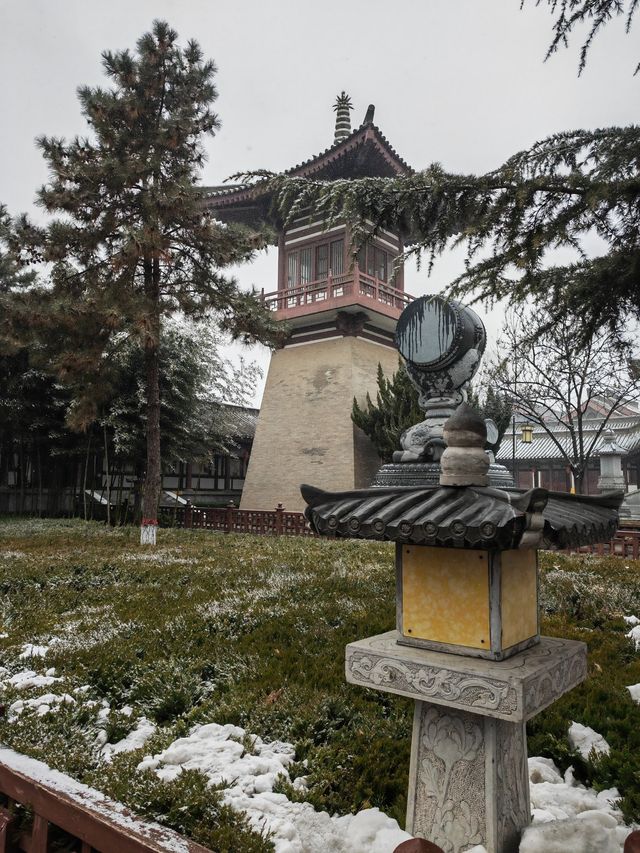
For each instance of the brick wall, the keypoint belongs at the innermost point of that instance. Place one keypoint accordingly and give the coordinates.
(305, 433)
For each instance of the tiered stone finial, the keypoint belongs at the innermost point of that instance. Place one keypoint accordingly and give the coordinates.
(342, 107)
(465, 462)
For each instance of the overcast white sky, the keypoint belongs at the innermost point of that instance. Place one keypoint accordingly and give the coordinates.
(461, 82)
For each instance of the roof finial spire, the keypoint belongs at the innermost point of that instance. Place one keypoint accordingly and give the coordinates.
(342, 108)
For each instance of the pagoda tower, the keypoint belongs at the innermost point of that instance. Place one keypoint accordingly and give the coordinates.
(341, 313)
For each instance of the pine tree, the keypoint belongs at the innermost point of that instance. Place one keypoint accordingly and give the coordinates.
(132, 242)
(396, 408)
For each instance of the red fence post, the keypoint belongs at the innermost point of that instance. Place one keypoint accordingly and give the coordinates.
(228, 518)
(8, 823)
(279, 520)
(188, 515)
(632, 843)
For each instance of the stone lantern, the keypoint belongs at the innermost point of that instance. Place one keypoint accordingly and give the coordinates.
(466, 646)
(611, 453)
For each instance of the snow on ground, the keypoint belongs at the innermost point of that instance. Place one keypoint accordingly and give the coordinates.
(584, 739)
(634, 690)
(136, 739)
(566, 815)
(569, 818)
(30, 650)
(249, 768)
(28, 678)
(634, 633)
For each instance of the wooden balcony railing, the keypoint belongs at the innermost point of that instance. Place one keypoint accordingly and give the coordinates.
(336, 289)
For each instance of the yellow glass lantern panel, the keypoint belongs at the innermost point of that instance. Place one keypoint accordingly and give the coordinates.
(519, 596)
(445, 595)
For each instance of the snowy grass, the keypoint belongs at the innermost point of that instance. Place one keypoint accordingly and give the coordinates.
(249, 632)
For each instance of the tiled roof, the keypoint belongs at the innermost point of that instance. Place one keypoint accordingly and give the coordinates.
(361, 135)
(346, 144)
(626, 430)
(241, 421)
(469, 517)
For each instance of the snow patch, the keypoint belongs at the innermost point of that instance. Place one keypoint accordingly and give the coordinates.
(631, 620)
(28, 678)
(250, 776)
(569, 817)
(31, 650)
(585, 739)
(136, 739)
(634, 636)
(41, 704)
(634, 690)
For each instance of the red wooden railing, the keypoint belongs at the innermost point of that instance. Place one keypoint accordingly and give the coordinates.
(95, 823)
(626, 543)
(230, 519)
(332, 288)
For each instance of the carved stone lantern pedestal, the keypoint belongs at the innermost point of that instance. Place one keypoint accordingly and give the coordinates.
(467, 646)
(468, 780)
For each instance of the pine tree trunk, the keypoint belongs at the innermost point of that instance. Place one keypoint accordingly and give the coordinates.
(108, 474)
(153, 477)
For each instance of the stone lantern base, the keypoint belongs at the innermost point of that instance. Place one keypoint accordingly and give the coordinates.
(468, 779)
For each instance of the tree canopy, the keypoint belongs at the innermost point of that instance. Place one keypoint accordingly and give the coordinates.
(561, 385)
(131, 241)
(570, 14)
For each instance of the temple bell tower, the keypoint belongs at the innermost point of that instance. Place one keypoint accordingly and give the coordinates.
(341, 312)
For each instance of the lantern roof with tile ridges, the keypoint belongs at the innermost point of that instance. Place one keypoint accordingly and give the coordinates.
(470, 517)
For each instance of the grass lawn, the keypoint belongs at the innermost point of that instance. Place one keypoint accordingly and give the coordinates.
(251, 631)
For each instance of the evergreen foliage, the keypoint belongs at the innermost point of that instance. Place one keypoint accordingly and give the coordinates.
(396, 409)
(132, 242)
(595, 13)
(194, 380)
